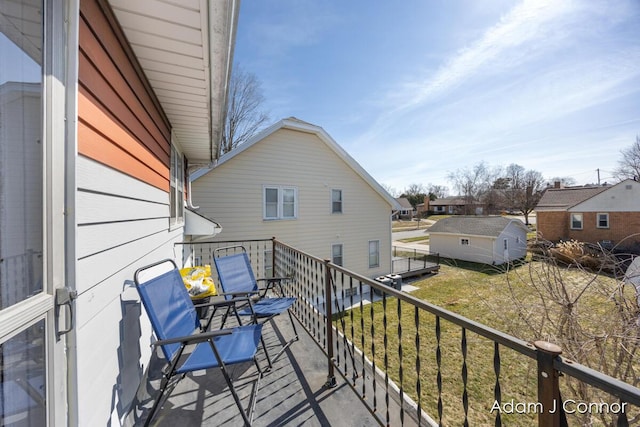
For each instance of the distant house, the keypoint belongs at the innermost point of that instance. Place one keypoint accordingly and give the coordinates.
(455, 206)
(406, 210)
(484, 239)
(294, 182)
(596, 214)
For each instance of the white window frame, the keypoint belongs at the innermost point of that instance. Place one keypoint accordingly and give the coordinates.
(606, 215)
(333, 254)
(177, 187)
(334, 202)
(464, 241)
(505, 244)
(572, 221)
(375, 254)
(280, 202)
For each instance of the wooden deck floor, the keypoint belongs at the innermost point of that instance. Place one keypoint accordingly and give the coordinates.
(292, 393)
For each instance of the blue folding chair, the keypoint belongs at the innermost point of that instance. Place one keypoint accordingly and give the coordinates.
(177, 328)
(239, 285)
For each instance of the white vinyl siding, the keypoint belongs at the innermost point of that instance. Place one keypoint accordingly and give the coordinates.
(268, 263)
(280, 202)
(233, 194)
(508, 246)
(123, 224)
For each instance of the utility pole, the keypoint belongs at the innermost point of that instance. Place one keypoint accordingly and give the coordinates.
(598, 170)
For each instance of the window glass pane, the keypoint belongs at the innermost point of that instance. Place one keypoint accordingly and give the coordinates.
(336, 195)
(336, 201)
(288, 203)
(603, 220)
(22, 378)
(20, 151)
(576, 221)
(271, 202)
(336, 254)
(374, 253)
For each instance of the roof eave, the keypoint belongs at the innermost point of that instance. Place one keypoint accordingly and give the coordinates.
(188, 71)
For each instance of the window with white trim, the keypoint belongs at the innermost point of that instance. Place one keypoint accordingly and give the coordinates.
(337, 254)
(464, 242)
(576, 221)
(280, 202)
(336, 201)
(602, 220)
(374, 253)
(176, 189)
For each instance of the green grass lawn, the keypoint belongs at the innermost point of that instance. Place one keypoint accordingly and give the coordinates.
(504, 300)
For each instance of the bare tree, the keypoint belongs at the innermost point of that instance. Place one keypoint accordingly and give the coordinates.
(415, 194)
(436, 191)
(524, 189)
(563, 180)
(629, 165)
(245, 116)
(574, 295)
(473, 183)
(389, 189)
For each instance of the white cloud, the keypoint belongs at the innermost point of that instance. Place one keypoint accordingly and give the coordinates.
(524, 70)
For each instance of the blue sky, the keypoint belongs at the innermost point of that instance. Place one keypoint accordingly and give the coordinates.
(415, 90)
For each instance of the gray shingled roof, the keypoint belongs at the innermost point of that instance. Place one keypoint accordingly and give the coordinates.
(404, 202)
(561, 199)
(490, 226)
(449, 201)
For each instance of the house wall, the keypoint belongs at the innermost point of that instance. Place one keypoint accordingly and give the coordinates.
(516, 244)
(232, 195)
(122, 217)
(624, 229)
(552, 225)
(622, 197)
(480, 249)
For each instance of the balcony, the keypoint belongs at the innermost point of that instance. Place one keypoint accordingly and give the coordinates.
(364, 366)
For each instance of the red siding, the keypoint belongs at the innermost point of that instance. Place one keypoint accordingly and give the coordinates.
(119, 121)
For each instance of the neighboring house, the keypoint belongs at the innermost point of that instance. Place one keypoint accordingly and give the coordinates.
(484, 239)
(103, 103)
(294, 182)
(406, 211)
(455, 206)
(598, 214)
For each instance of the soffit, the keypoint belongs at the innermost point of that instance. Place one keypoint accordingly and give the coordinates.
(184, 48)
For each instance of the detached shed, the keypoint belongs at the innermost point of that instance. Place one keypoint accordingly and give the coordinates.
(487, 239)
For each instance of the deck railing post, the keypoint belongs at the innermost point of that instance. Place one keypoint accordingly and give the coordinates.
(550, 412)
(331, 376)
(273, 257)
